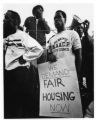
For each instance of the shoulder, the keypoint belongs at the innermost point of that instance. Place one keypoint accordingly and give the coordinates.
(16, 35)
(73, 32)
(74, 35)
(28, 20)
(20, 34)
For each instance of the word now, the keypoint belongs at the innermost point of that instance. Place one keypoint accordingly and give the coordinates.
(60, 108)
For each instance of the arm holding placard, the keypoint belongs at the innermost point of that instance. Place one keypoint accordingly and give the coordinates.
(50, 56)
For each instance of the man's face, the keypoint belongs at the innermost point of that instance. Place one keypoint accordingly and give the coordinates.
(59, 20)
(80, 29)
(39, 13)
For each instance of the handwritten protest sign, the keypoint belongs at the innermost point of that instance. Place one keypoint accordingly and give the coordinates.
(59, 90)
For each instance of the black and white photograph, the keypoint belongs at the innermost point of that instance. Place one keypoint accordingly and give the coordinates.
(48, 60)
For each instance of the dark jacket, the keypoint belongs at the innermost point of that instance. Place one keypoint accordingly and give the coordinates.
(38, 29)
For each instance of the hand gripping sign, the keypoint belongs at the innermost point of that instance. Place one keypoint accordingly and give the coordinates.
(59, 90)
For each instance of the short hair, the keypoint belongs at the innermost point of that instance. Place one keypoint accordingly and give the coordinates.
(11, 19)
(13, 16)
(35, 8)
(63, 13)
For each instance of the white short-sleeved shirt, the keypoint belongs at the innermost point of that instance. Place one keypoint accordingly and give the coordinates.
(62, 43)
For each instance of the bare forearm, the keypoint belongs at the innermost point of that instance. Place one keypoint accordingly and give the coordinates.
(78, 62)
(78, 66)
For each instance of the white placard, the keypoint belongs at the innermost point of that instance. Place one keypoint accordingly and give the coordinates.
(59, 90)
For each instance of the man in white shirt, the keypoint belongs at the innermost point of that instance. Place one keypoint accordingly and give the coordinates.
(65, 44)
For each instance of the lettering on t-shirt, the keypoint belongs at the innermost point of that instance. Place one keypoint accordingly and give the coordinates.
(62, 44)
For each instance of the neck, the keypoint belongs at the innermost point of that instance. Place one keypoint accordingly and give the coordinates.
(60, 29)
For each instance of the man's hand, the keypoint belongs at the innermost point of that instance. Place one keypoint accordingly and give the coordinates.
(21, 60)
(51, 58)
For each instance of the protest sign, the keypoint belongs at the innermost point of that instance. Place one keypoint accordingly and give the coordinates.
(59, 90)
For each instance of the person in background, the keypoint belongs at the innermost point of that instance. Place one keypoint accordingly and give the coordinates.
(19, 87)
(77, 25)
(37, 28)
(87, 69)
(88, 61)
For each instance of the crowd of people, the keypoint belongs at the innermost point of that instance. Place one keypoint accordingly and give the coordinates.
(24, 50)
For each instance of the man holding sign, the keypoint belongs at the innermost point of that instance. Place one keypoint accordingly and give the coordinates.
(65, 43)
(59, 91)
